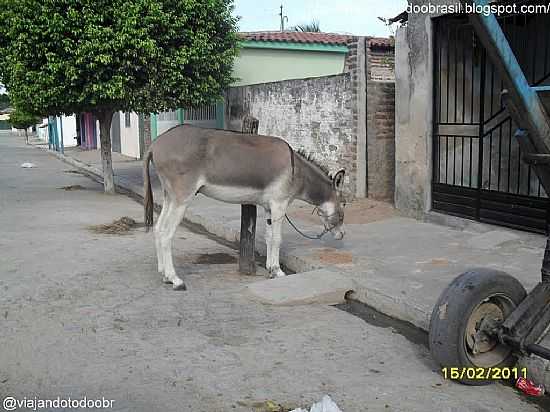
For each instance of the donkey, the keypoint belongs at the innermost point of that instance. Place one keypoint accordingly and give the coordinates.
(235, 168)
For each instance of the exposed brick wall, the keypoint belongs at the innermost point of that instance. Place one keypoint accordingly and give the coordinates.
(380, 123)
(381, 140)
(313, 114)
(381, 64)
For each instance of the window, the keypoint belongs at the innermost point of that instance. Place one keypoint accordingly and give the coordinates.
(127, 121)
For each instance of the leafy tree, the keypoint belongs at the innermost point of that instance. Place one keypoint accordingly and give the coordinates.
(312, 27)
(21, 119)
(102, 56)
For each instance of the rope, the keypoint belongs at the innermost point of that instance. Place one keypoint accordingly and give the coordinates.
(316, 237)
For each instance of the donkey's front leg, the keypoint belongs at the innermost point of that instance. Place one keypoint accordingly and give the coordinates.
(276, 226)
(268, 238)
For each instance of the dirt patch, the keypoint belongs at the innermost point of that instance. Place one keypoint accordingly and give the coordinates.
(330, 256)
(72, 187)
(76, 172)
(266, 406)
(214, 259)
(360, 211)
(121, 226)
(435, 262)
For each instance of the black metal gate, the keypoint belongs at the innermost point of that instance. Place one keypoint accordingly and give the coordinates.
(477, 168)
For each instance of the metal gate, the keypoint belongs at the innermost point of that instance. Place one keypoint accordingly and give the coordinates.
(477, 168)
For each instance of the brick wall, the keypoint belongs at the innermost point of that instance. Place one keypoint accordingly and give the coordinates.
(380, 124)
(313, 114)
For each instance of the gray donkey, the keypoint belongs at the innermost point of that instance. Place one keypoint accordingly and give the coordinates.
(235, 168)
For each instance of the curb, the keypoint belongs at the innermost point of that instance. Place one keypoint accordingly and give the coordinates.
(538, 368)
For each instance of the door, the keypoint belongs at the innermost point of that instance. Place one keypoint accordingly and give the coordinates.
(477, 168)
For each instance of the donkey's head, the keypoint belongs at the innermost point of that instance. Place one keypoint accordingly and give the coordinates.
(331, 210)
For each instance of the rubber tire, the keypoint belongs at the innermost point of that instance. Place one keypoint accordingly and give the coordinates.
(462, 296)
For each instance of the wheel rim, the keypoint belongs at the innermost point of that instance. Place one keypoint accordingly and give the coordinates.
(480, 342)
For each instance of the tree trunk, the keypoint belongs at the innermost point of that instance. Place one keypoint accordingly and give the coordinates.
(26, 136)
(105, 118)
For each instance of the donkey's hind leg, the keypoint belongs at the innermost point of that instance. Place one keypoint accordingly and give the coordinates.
(174, 215)
(158, 246)
(268, 238)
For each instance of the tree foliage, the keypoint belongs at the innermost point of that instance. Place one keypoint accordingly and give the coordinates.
(65, 56)
(312, 27)
(20, 119)
(102, 56)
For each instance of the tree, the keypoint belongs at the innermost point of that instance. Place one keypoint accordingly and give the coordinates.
(102, 56)
(21, 119)
(312, 27)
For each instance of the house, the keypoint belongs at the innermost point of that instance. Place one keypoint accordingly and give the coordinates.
(455, 149)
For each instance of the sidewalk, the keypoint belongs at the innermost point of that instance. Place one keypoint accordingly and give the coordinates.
(398, 265)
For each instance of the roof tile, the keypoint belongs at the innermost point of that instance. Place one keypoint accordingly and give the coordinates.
(312, 38)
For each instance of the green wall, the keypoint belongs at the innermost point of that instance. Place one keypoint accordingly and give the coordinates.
(263, 65)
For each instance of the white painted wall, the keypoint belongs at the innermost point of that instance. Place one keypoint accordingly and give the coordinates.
(68, 123)
(42, 132)
(129, 136)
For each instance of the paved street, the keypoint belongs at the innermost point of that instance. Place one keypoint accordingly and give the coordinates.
(86, 314)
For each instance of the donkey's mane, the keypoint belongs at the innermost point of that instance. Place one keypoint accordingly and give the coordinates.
(309, 158)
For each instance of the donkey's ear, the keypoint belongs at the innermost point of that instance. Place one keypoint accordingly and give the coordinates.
(338, 179)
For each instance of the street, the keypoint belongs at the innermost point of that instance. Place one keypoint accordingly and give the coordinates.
(84, 313)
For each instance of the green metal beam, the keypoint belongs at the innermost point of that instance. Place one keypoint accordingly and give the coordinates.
(279, 45)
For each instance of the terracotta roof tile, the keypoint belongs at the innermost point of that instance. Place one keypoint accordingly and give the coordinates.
(311, 38)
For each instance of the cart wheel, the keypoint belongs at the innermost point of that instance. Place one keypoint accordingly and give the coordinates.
(472, 306)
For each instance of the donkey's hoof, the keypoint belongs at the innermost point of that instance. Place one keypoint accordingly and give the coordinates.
(179, 285)
(276, 273)
(166, 280)
(279, 273)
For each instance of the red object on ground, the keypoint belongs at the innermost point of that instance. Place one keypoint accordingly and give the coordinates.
(528, 387)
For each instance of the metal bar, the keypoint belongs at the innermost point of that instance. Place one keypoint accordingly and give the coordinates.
(462, 163)
(538, 350)
(463, 83)
(454, 160)
(534, 48)
(474, 42)
(499, 156)
(509, 153)
(480, 144)
(533, 116)
(455, 64)
(446, 157)
(490, 158)
(471, 154)
(448, 70)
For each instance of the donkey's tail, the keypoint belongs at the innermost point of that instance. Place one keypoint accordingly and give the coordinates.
(148, 204)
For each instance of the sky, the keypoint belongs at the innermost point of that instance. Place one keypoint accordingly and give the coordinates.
(357, 17)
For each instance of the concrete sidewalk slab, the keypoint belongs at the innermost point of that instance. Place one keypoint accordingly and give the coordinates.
(317, 286)
(492, 239)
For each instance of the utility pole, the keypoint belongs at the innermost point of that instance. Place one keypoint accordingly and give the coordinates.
(283, 18)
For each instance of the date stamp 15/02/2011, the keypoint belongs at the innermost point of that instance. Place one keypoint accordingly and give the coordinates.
(475, 373)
